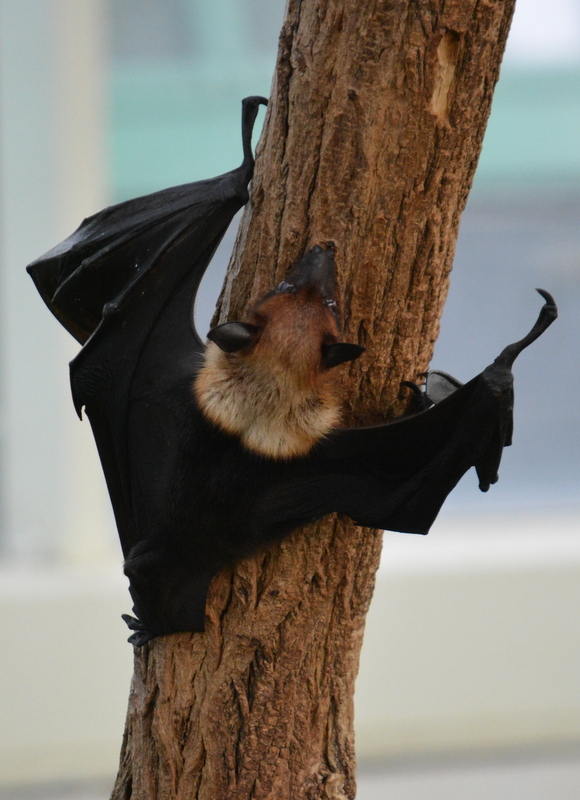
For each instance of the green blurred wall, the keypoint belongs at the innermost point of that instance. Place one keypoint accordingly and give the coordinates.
(176, 122)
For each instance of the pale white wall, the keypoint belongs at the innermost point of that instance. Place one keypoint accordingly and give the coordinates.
(473, 639)
(544, 33)
(52, 174)
(472, 645)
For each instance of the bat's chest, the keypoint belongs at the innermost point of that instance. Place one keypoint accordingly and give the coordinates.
(270, 413)
(220, 489)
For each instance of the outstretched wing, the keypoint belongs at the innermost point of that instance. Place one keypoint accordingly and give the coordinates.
(107, 256)
(397, 476)
(124, 285)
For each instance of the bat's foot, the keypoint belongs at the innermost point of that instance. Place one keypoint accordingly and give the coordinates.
(142, 635)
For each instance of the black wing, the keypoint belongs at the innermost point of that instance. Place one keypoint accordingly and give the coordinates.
(397, 476)
(108, 255)
(124, 284)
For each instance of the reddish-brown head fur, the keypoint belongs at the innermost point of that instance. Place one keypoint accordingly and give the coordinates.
(269, 380)
(294, 327)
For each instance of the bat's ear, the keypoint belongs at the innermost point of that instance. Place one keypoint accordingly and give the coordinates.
(233, 336)
(339, 352)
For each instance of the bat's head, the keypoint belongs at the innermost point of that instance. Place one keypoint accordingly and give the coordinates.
(295, 328)
(270, 378)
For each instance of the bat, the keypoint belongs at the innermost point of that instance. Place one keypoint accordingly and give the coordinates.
(212, 452)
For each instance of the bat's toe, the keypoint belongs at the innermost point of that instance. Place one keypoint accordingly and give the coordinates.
(142, 635)
(141, 638)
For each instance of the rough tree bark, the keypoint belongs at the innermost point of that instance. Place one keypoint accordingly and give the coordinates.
(374, 129)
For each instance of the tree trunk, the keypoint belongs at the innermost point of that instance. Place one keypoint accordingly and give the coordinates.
(372, 135)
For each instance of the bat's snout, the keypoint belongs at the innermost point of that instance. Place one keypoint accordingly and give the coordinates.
(316, 270)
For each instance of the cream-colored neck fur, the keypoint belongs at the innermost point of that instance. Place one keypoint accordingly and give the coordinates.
(274, 413)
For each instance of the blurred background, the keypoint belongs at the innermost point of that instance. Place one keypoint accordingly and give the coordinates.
(470, 673)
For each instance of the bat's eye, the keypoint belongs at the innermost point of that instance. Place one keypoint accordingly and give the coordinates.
(284, 287)
(330, 303)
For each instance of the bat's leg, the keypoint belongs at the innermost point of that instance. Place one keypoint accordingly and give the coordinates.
(168, 590)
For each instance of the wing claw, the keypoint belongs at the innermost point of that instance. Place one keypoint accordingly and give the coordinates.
(548, 313)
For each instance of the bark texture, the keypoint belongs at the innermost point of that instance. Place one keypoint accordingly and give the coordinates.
(374, 129)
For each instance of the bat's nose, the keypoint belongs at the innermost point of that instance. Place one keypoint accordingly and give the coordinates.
(315, 270)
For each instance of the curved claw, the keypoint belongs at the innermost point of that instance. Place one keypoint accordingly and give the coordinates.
(548, 313)
(132, 622)
(141, 635)
(549, 299)
(419, 400)
(250, 106)
(140, 638)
